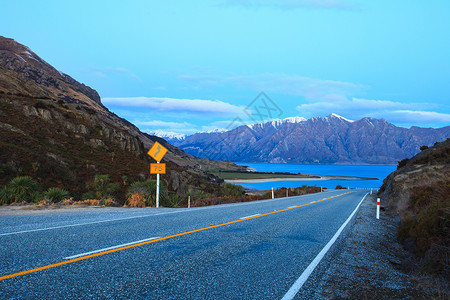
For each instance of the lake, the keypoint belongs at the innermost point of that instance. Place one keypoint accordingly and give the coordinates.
(372, 171)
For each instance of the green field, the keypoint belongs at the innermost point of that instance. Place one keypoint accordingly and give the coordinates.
(256, 175)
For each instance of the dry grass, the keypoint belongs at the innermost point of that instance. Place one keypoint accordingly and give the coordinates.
(136, 199)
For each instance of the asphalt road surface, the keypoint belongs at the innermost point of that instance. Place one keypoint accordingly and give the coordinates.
(254, 250)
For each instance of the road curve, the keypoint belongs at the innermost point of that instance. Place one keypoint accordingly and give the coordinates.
(254, 250)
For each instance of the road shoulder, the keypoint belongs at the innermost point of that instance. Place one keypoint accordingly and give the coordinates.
(367, 264)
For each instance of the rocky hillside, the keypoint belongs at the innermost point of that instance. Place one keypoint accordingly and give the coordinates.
(56, 130)
(419, 192)
(333, 139)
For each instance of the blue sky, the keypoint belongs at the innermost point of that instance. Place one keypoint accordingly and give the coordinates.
(187, 66)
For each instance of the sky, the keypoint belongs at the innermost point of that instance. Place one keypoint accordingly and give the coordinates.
(188, 66)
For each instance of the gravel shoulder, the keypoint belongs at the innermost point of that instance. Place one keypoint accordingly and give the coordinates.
(369, 263)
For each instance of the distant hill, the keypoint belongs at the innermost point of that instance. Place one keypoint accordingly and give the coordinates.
(419, 193)
(56, 130)
(329, 140)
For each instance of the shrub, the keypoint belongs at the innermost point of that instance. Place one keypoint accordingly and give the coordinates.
(56, 194)
(23, 188)
(6, 197)
(137, 199)
(233, 189)
(172, 200)
(424, 147)
(88, 195)
(102, 186)
(340, 187)
(427, 226)
(148, 190)
(402, 163)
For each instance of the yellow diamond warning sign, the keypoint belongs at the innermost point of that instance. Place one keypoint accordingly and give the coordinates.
(157, 151)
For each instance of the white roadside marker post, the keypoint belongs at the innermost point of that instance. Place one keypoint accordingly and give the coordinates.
(287, 192)
(273, 196)
(378, 208)
(189, 201)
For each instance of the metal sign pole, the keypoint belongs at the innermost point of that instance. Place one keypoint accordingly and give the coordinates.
(157, 189)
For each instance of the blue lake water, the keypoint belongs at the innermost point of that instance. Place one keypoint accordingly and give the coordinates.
(372, 171)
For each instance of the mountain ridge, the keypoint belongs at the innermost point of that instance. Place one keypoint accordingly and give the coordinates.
(332, 139)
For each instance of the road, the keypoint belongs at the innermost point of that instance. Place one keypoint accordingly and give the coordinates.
(254, 250)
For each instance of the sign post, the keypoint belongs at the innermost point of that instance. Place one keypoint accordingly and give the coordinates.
(157, 152)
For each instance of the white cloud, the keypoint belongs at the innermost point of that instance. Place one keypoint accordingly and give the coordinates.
(402, 114)
(103, 72)
(164, 124)
(312, 89)
(292, 4)
(194, 106)
(423, 116)
(167, 127)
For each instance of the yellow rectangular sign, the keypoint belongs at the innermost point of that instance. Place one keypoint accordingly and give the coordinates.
(157, 168)
(157, 151)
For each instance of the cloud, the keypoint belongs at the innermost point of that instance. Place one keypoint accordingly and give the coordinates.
(423, 116)
(295, 4)
(105, 71)
(193, 106)
(402, 114)
(167, 127)
(312, 89)
(160, 124)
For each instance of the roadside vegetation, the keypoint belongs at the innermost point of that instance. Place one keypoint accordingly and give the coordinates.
(101, 191)
(419, 192)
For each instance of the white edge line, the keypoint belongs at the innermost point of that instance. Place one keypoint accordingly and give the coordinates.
(110, 248)
(249, 216)
(89, 223)
(308, 271)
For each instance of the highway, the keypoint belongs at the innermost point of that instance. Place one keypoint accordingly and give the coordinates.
(253, 250)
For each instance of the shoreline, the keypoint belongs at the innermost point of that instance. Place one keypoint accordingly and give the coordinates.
(262, 180)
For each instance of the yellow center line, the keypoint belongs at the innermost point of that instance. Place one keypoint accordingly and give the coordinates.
(154, 241)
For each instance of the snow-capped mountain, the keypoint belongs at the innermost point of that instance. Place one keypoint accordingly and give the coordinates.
(332, 139)
(171, 137)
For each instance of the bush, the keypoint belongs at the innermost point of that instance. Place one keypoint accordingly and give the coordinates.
(88, 195)
(340, 187)
(6, 197)
(147, 189)
(402, 163)
(137, 199)
(424, 147)
(233, 189)
(102, 187)
(23, 188)
(428, 224)
(172, 200)
(56, 194)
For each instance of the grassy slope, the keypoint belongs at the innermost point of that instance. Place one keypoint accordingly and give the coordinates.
(419, 192)
(57, 153)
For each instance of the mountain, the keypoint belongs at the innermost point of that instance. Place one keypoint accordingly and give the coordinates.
(329, 140)
(170, 137)
(56, 130)
(418, 193)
